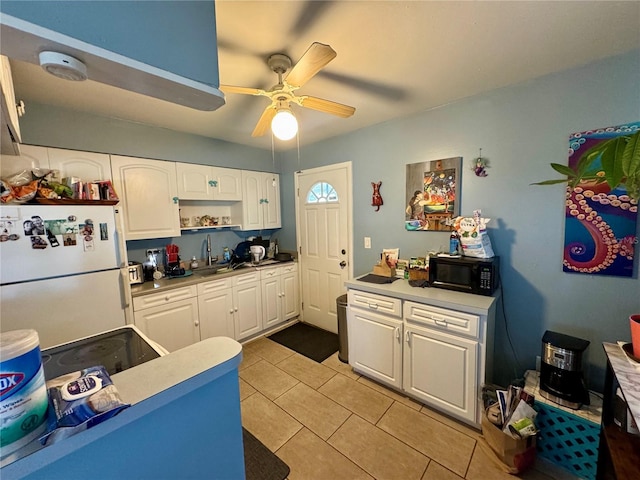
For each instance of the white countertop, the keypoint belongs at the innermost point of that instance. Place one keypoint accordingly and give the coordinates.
(478, 304)
(628, 375)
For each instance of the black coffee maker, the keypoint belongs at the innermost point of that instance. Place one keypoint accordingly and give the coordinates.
(561, 379)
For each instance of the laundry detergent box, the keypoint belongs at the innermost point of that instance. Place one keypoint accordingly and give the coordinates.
(80, 400)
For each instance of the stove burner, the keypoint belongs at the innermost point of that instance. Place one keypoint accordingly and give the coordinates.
(93, 353)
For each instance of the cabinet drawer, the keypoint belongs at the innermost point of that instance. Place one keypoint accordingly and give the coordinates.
(269, 273)
(451, 321)
(246, 278)
(214, 286)
(293, 267)
(375, 303)
(157, 299)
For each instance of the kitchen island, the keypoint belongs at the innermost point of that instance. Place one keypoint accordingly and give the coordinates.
(184, 422)
(431, 344)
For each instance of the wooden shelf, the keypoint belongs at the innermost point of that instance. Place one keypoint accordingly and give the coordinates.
(72, 201)
(183, 229)
(624, 450)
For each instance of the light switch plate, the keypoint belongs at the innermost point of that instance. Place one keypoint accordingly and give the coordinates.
(367, 242)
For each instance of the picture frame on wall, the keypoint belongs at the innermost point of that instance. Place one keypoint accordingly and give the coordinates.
(432, 194)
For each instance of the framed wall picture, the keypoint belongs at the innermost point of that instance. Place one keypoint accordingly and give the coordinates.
(432, 195)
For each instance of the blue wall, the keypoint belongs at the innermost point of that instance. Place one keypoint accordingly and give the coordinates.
(521, 129)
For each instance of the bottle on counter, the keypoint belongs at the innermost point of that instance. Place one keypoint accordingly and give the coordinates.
(454, 243)
(226, 254)
(194, 262)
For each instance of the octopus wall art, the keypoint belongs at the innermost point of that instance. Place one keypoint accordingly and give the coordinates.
(601, 208)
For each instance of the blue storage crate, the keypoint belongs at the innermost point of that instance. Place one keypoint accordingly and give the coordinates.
(567, 440)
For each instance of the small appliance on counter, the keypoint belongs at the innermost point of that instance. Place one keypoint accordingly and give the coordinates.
(136, 275)
(173, 268)
(465, 274)
(561, 379)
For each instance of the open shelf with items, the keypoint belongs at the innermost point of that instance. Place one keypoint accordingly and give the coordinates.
(228, 214)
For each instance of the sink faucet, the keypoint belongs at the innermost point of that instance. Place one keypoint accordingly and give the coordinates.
(209, 262)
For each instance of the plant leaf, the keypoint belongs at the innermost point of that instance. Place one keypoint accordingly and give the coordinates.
(611, 161)
(563, 169)
(631, 156)
(550, 182)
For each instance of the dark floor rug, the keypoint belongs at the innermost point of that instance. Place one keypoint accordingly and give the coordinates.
(312, 342)
(259, 462)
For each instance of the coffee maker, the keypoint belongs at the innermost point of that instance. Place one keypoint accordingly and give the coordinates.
(561, 379)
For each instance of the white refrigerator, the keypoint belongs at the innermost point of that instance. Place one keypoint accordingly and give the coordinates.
(63, 271)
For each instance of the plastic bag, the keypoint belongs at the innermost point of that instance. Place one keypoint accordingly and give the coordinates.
(474, 238)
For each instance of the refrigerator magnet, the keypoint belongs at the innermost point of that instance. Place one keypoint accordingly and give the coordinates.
(87, 243)
(104, 233)
(69, 239)
(38, 243)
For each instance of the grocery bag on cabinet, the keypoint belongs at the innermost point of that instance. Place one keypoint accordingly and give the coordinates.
(474, 239)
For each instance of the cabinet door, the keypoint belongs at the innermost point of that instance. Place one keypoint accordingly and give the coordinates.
(375, 346)
(252, 200)
(247, 309)
(11, 122)
(290, 295)
(216, 314)
(271, 301)
(228, 184)
(88, 166)
(271, 201)
(441, 370)
(173, 326)
(149, 195)
(30, 157)
(194, 181)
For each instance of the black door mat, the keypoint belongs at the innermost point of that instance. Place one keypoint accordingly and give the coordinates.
(312, 342)
(259, 462)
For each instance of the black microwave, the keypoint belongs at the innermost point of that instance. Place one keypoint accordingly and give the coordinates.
(465, 274)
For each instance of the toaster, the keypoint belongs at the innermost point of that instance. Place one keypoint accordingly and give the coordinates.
(136, 274)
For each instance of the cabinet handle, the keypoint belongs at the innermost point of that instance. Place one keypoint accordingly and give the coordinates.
(213, 183)
(440, 321)
(407, 337)
(175, 199)
(261, 201)
(235, 309)
(231, 311)
(374, 306)
(398, 333)
(197, 323)
(266, 200)
(167, 298)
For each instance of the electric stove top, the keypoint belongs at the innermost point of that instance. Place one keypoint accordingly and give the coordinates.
(116, 350)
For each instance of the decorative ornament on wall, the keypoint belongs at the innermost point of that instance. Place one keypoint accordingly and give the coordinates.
(480, 166)
(376, 200)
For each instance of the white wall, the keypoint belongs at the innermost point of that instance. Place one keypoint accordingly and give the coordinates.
(521, 129)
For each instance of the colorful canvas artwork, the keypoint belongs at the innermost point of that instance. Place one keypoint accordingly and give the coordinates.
(432, 196)
(601, 208)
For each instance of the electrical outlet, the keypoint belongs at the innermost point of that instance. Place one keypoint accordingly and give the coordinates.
(367, 242)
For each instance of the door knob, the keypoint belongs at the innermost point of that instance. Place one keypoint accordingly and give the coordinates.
(343, 264)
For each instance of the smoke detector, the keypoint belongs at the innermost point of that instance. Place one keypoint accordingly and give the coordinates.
(63, 66)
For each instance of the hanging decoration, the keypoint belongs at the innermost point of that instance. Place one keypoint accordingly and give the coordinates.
(480, 166)
(376, 200)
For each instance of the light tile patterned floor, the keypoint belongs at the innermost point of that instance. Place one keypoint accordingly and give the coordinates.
(329, 423)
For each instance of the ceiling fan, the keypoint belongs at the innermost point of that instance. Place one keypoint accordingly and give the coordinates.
(283, 93)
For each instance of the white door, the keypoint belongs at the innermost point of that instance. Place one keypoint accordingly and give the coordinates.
(193, 181)
(174, 325)
(88, 166)
(323, 221)
(290, 297)
(271, 301)
(215, 311)
(247, 309)
(227, 184)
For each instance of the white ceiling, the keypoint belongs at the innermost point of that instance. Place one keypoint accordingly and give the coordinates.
(395, 58)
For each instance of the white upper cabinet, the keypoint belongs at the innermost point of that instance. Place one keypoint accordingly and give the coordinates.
(203, 182)
(10, 141)
(148, 193)
(88, 166)
(30, 157)
(260, 200)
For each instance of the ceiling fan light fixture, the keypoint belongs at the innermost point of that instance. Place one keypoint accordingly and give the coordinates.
(63, 66)
(284, 124)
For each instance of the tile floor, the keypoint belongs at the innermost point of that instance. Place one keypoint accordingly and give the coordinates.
(330, 423)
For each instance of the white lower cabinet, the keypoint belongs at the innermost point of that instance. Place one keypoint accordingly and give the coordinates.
(215, 308)
(433, 354)
(280, 294)
(169, 318)
(441, 370)
(247, 305)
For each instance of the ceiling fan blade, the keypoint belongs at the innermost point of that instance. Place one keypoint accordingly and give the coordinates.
(242, 90)
(327, 106)
(265, 121)
(314, 59)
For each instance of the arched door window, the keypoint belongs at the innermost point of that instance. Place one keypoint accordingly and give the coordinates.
(322, 192)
